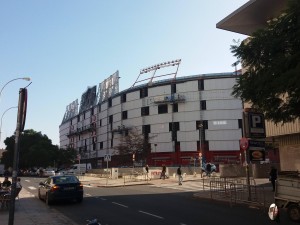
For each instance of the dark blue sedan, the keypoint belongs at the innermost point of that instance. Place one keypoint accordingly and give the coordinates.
(60, 187)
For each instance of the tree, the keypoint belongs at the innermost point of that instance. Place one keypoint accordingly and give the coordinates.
(36, 150)
(272, 60)
(134, 143)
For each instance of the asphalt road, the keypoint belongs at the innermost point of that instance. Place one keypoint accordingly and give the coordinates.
(150, 205)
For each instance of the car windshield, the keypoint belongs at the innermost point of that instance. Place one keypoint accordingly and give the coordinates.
(64, 180)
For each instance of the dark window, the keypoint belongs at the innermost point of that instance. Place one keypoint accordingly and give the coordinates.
(100, 122)
(204, 124)
(112, 142)
(201, 85)
(94, 146)
(175, 107)
(240, 123)
(78, 118)
(101, 145)
(177, 146)
(176, 126)
(162, 109)
(126, 132)
(146, 129)
(123, 98)
(203, 104)
(173, 88)
(99, 108)
(143, 92)
(124, 115)
(145, 111)
(109, 102)
(110, 119)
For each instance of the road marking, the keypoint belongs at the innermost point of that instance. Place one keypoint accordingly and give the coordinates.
(88, 194)
(150, 214)
(32, 188)
(125, 206)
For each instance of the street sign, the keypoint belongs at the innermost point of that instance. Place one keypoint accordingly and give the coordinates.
(257, 150)
(244, 143)
(254, 125)
(107, 158)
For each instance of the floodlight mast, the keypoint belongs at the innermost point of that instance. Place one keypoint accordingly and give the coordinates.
(157, 67)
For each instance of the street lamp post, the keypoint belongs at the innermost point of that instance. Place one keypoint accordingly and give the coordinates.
(155, 154)
(200, 126)
(2, 118)
(133, 159)
(20, 78)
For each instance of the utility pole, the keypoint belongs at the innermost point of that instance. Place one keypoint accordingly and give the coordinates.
(22, 107)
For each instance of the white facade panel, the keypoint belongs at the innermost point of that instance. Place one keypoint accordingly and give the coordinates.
(224, 104)
(159, 90)
(223, 83)
(224, 146)
(216, 94)
(187, 116)
(134, 113)
(221, 114)
(188, 146)
(132, 104)
(159, 128)
(223, 124)
(131, 96)
(188, 86)
(189, 106)
(212, 135)
(187, 136)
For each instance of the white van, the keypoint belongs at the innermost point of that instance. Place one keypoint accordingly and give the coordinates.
(79, 168)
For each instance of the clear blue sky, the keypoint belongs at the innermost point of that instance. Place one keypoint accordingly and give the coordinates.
(64, 46)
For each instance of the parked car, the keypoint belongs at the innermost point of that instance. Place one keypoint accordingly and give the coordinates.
(60, 187)
(48, 172)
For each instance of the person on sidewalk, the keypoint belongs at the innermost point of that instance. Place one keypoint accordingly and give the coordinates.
(147, 171)
(163, 172)
(179, 174)
(6, 183)
(273, 177)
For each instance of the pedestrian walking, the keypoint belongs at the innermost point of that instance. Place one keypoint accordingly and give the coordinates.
(208, 169)
(147, 171)
(163, 172)
(273, 177)
(179, 174)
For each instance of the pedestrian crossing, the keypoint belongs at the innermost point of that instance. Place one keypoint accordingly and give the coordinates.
(187, 186)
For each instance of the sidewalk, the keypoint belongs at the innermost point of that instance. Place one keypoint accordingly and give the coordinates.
(30, 211)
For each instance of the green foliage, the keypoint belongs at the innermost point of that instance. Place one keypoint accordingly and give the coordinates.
(135, 143)
(272, 59)
(36, 150)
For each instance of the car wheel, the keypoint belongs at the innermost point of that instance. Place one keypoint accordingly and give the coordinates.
(48, 201)
(294, 212)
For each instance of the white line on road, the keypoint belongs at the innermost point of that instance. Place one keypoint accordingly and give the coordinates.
(150, 214)
(125, 206)
(32, 188)
(88, 194)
